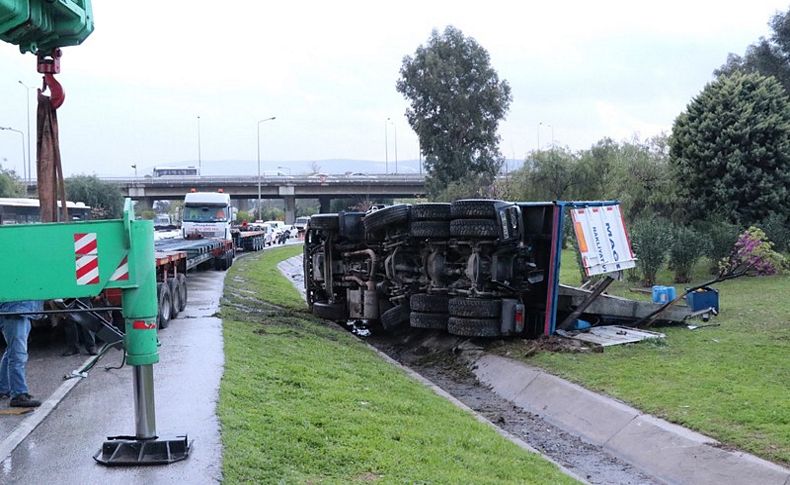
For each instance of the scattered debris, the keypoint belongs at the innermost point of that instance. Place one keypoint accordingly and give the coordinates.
(608, 335)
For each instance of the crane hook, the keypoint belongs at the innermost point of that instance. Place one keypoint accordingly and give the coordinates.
(49, 65)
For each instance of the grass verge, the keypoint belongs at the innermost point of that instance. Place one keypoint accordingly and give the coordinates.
(730, 382)
(302, 402)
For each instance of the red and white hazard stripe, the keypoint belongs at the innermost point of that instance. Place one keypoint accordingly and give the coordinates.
(87, 258)
(122, 272)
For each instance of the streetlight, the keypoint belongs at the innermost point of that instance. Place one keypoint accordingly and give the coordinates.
(395, 140)
(200, 172)
(258, 130)
(386, 149)
(134, 166)
(27, 92)
(285, 168)
(8, 128)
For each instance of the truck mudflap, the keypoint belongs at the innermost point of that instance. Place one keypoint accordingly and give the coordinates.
(616, 307)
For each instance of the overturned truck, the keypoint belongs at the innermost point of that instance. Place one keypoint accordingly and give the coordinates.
(474, 267)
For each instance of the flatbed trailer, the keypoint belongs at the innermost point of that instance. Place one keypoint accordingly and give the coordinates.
(248, 240)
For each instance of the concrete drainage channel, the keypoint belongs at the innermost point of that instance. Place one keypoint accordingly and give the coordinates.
(596, 438)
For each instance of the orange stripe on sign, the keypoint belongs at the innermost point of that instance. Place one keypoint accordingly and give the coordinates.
(577, 227)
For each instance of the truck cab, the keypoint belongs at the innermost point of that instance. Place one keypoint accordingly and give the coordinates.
(207, 215)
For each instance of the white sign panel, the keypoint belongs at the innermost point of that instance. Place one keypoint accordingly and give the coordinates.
(603, 241)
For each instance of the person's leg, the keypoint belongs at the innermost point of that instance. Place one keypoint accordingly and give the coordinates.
(16, 331)
(88, 340)
(70, 331)
(5, 385)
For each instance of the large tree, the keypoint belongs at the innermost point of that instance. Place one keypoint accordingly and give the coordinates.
(731, 149)
(10, 185)
(769, 57)
(105, 199)
(457, 101)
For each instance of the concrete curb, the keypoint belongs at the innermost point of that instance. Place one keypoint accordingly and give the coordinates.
(664, 450)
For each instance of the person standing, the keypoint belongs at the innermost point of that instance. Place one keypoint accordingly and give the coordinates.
(16, 329)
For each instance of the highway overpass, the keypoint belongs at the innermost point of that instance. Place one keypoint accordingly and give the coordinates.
(245, 187)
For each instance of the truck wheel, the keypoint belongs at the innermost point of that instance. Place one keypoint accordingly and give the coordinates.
(395, 318)
(474, 308)
(439, 211)
(182, 291)
(175, 297)
(436, 321)
(423, 302)
(229, 257)
(382, 218)
(164, 305)
(330, 311)
(325, 222)
(429, 229)
(475, 228)
(474, 327)
(474, 209)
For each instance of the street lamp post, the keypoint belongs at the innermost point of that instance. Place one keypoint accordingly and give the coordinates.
(386, 148)
(200, 164)
(285, 168)
(258, 133)
(27, 110)
(134, 166)
(8, 128)
(395, 140)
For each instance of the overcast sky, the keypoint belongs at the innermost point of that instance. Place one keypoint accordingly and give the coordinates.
(327, 71)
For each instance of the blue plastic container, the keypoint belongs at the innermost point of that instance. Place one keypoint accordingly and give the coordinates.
(703, 298)
(663, 294)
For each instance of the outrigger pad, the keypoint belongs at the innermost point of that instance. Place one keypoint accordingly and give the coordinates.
(127, 451)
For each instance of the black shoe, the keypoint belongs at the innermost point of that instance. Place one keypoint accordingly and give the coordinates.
(24, 401)
(92, 350)
(71, 351)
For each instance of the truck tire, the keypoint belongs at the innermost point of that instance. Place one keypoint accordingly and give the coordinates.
(423, 302)
(164, 305)
(474, 308)
(474, 327)
(474, 209)
(325, 222)
(387, 216)
(330, 311)
(436, 321)
(429, 229)
(175, 297)
(474, 228)
(182, 291)
(220, 263)
(395, 318)
(439, 211)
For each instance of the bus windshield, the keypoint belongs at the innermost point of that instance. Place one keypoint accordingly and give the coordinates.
(206, 213)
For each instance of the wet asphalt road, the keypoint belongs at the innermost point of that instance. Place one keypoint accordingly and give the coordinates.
(60, 450)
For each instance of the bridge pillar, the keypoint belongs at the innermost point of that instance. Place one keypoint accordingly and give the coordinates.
(290, 209)
(244, 204)
(324, 202)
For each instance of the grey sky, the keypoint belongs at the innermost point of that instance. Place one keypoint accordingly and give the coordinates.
(327, 70)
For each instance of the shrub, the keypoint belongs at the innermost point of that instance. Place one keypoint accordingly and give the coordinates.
(686, 249)
(721, 236)
(777, 229)
(752, 255)
(650, 237)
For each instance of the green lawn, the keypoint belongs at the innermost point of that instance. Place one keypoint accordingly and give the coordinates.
(730, 382)
(302, 402)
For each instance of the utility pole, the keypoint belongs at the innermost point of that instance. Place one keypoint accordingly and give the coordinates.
(200, 163)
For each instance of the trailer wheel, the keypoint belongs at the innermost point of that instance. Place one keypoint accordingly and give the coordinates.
(474, 308)
(436, 321)
(325, 222)
(175, 297)
(164, 305)
(474, 327)
(395, 318)
(423, 302)
(430, 229)
(475, 228)
(182, 291)
(330, 311)
(382, 218)
(474, 209)
(438, 211)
